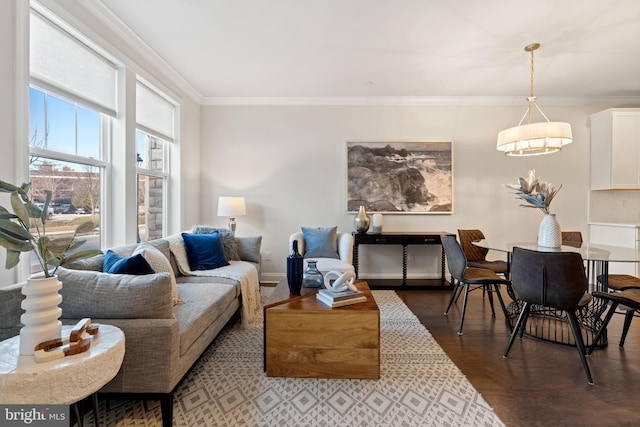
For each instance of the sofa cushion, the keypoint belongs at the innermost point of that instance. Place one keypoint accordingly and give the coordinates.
(249, 248)
(204, 251)
(127, 250)
(320, 242)
(135, 264)
(229, 241)
(324, 265)
(10, 311)
(203, 304)
(94, 263)
(117, 296)
(159, 263)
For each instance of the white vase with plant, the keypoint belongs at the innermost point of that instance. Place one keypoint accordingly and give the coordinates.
(41, 293)
(539, 195)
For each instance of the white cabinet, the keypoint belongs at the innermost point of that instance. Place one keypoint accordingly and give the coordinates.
(615, 149)
(624, 235)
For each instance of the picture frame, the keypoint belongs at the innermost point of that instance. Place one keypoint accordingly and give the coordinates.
(401, 177)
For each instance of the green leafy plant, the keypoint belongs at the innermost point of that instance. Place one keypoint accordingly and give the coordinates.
(537, 194)
(16, 235)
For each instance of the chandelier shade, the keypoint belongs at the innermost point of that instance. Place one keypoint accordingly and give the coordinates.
(533, 139)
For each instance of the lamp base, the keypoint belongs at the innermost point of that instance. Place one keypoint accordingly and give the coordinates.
(232, 225)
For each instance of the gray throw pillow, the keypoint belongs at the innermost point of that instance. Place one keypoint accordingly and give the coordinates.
(229, 241)
(249, 248)
(94, 263)
(320, 242)
(115, 296)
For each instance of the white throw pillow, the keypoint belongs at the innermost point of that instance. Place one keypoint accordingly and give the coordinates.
(176, 244)
(160, 264)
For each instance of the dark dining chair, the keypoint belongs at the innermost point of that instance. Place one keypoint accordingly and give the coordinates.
(468, 278)
(629, 299)
(550, 279)
(621, 282)
(571, 238)
(477, 256)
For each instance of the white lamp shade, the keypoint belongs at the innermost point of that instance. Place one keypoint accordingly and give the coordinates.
(231, 206)
(534, 138)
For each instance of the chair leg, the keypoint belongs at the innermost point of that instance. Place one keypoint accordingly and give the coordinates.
(486, 289)
(520, 324)
(605, 322)
(522, 319)
(459, 292)
(454, 296)
(500, 300)
(628, 317)
(464, 307)
(575, 328)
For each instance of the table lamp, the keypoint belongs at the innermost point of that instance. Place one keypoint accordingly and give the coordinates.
(231, 207)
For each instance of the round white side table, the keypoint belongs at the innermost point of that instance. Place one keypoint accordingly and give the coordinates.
(61, 381)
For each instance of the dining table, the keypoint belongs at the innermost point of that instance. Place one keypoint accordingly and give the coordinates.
(550, 324)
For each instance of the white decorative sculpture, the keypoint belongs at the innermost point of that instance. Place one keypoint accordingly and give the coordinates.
(341, 281)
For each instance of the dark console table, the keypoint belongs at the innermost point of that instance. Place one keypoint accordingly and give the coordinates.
(404, 239)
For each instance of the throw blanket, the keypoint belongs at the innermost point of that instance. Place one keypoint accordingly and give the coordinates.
(242, 271)
(247, 275)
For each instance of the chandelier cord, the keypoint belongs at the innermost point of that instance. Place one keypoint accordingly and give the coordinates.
(532, 93)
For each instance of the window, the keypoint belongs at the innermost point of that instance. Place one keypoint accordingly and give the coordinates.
(80, 147)
(60, 133)
(155, 117)
(151, 186)
(72, 99)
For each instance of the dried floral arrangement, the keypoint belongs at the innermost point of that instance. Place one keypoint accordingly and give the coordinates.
(536, 193)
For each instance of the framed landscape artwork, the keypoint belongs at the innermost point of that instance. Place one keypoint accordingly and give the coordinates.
(400, 177)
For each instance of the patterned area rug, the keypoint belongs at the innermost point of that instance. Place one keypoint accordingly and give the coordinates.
(419, 386)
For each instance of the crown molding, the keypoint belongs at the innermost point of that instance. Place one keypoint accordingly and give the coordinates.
(104, 14)
(619, 101)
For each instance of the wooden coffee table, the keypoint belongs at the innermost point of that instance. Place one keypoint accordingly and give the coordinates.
(304, 338)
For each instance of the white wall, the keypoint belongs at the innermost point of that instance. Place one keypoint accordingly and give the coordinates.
(289, 163)
(8, 114)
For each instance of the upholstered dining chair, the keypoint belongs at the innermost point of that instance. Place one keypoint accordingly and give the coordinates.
(571, 238)
(550, 279)
(476, 256)
(630, 299)
(620, 283)
(468, 278)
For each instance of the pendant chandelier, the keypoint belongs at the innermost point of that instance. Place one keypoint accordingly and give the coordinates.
(532, 139)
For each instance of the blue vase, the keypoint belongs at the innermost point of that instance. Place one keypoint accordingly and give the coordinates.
(312, 277)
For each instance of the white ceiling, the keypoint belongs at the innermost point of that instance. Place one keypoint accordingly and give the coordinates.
(393, 48)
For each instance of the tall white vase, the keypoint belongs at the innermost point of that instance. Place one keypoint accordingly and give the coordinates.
(377, 223)
(41, 315)
(549, 235)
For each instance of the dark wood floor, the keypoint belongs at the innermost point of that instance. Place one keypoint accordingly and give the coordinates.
(539, 384)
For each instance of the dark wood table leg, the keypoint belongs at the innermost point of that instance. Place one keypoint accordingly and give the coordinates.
(404, 265)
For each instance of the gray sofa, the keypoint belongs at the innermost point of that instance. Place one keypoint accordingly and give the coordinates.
(163, 339)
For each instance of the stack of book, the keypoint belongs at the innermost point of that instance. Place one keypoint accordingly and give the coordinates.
(339, 299)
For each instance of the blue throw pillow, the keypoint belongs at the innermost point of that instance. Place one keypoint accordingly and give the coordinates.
(115, 264)
(320, 242)
(204, 251)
